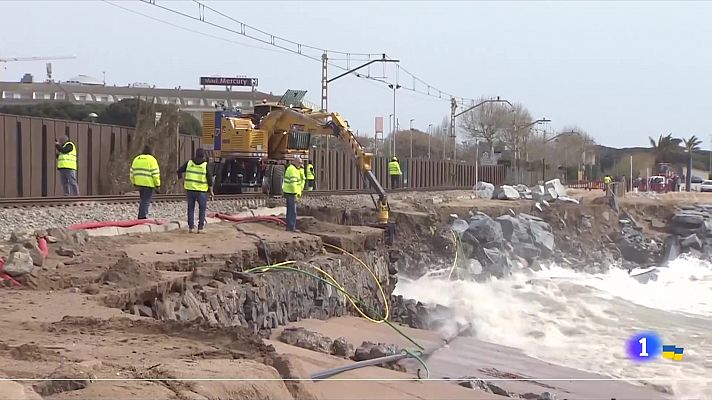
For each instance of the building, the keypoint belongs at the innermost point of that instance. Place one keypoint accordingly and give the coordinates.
(84, 89)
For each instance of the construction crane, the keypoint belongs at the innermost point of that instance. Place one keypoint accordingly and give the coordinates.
(9, 59)
(49, 65)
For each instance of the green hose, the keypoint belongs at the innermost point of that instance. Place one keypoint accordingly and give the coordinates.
(417, 354)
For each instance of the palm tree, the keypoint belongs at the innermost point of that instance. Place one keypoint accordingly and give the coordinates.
(690, 145)
(665, 148)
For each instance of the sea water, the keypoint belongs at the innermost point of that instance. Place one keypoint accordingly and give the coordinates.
(582, 320)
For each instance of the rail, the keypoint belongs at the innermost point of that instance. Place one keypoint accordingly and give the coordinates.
(28, 202)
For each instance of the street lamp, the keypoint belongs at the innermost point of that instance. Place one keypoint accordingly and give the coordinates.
(543, 157)
(517, 129)
(411, 137)
(454, 116)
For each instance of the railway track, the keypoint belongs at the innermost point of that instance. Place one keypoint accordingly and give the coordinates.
(30, 202)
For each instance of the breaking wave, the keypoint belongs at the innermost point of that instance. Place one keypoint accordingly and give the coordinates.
(582, 320)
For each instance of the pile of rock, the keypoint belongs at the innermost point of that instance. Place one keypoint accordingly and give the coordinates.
(541, 194)
(26, 254)
(492, 247)
(691, 232)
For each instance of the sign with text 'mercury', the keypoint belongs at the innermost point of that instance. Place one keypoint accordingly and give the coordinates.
(227, 81)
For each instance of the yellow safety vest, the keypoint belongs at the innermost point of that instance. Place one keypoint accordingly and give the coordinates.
(310, 172)
(195, 177)
(302, 177)
(394, 168)
(292, 182)
(68, 160)
(145, 172)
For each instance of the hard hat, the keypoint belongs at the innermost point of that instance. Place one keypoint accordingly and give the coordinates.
(394, 158)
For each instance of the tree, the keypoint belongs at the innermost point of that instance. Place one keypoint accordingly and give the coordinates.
(515, 137)
(691, 144)
(665, 148)
(487, 122)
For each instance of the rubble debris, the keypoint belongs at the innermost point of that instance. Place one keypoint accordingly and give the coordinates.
(67, 251)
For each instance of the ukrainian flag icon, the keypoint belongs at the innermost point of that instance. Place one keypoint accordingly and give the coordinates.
(672, 352)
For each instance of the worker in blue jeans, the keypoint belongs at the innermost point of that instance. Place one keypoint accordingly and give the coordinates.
(198, 183)
(292, 186)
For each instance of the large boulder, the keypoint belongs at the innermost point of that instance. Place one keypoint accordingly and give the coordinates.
(495, 263)
(306, 339)
(513, 228)
(485, 229)
(688, 222)
(555, 188)
(634, 246)
(19, 263)
(542, 237)
(506, 192)
(484, 190)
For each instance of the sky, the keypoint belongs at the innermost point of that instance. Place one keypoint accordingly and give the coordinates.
(621, 71)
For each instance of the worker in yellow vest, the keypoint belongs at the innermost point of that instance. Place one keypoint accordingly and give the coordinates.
(292, 186)
(311, 178)
(302, 176)
(67, 165)
(607, 180)
(146, 176)
(394, 172)
(198, 183)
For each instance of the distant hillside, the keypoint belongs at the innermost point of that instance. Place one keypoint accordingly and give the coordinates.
(609, 158)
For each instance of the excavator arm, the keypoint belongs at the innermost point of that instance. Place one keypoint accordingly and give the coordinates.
(331, 124)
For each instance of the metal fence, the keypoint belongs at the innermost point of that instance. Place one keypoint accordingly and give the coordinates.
(29, 162)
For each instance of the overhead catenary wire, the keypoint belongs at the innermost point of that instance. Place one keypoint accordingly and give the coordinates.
(291, 46)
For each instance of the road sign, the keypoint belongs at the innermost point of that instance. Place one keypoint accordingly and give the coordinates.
(227, 81)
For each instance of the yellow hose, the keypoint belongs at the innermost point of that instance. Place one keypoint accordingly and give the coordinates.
(386, 307)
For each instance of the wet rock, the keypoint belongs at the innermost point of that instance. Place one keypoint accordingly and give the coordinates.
(19, 263)
(691, 242)
(363, 352)
(306, 339)
(513, 228)
(67, 251)
(495, 263)
(342, 348)
(485, 229)
(635, 247)
(484, 190)
(51, 239)
(542, 236)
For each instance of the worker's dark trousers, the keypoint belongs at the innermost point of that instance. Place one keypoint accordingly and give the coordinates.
(202, 199)
(146, 194)
(68, 178)
(311, 184)
(395, 181)
(291, 211)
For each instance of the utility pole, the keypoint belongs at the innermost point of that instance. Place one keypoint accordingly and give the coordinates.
(430, 137)
(453, 108)
(395, 119)
(411, 137)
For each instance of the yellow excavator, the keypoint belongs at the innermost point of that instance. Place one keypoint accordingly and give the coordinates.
(251, 151)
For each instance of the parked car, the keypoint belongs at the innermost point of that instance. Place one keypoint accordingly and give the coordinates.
(706, 186)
